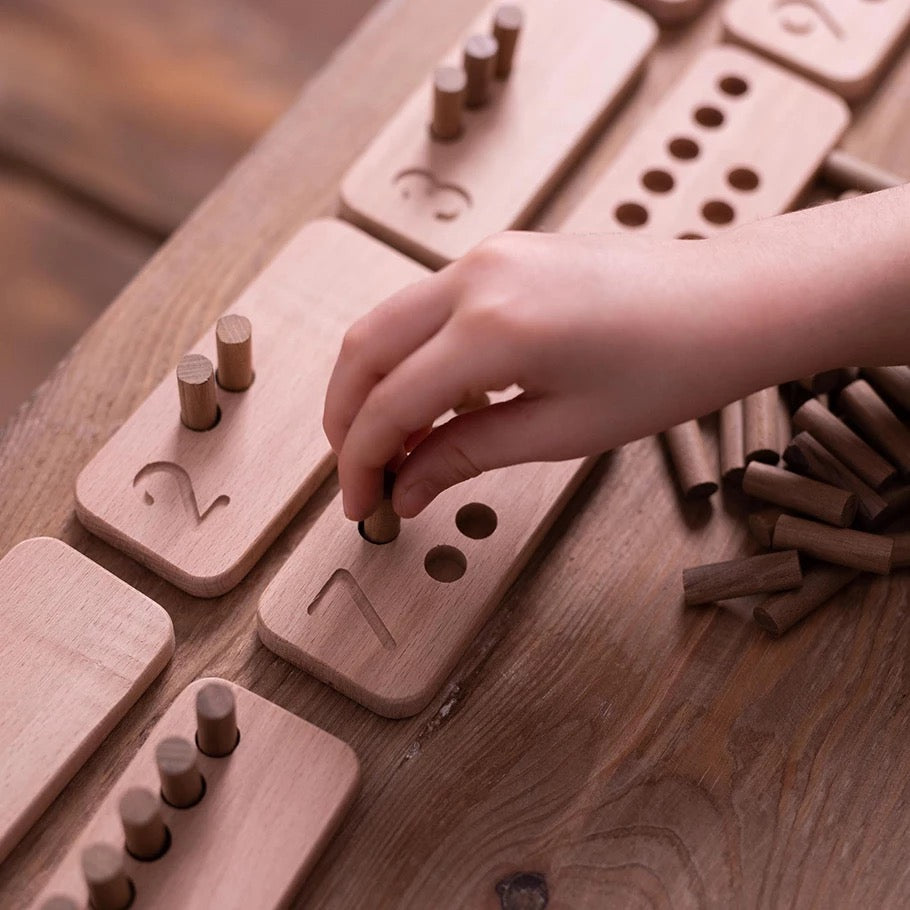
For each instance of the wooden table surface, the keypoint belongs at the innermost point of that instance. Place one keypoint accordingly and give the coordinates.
(600, 744)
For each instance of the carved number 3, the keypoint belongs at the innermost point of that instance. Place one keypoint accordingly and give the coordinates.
(184, 486)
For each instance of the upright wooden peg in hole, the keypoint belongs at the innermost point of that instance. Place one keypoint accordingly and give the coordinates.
(181, 783)
(507, 24)
(479, 64)
(143, 827)
(384, 525)
(109, 888)
(216, 720)
(450, 86)
(196, 386)
(234, 339)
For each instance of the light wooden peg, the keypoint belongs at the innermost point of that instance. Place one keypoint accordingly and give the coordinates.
(196, 386)
(384, 525)
(234, 340)
(732, 448)
(216, 720)
(694, 471)
(841, 441)
(507, 24)
(848, 172)
(760, 426)
(793, 491)
(878, 422)
(850, 194)
(742, 577)
(841, 546)
(182, 785)
(109, 888)
(808, 456)
(820, 583)
(143, 827)
(449, 94)
(893, 382)
(479, 64)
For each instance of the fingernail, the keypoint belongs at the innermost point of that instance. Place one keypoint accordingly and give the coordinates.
(415, 498)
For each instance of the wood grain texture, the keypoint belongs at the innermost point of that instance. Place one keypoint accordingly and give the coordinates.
(200, 508)
(840, 546)
(435, 200)
(742, 577)
(696, 473)
(844, 44)
(268, 811)
(385, 624)
(146, 104)
(893, 382)
(597, 740)
(78, 649)
(699, 165)
(877, 422)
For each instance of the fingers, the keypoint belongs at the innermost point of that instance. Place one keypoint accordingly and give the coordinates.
(378, 342)
(513, 432)
(428, 383)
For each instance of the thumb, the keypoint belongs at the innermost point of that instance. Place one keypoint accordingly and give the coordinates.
(503, 434)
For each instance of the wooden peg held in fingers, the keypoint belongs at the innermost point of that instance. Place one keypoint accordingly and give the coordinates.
(182, 785)
(196, 386)
(507, 23)
(234, 339)
(472, 402)
(384, 525)
(109, 888)
(450, 86)
(216, 720)
(143, 827)
(479, 64)
(60, 902)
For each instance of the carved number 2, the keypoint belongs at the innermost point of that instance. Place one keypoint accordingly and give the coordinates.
(184, 486)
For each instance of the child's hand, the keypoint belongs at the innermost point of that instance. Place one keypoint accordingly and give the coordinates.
(604, 335)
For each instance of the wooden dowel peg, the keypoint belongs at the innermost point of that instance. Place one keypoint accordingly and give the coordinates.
(507, 23)
(878, 422)
(109, 887)
(479, 64)
(450, 85)
(732, 449)
(182, 784)
(234, 340)
(820, 383)
(473, 402)
(848, 172)
(143, 827)
(742, 577)
(842, 442)
(842, 546)
(820, 583)
(694, 471)
(384, 525)
(761, 525)
(808, 456)
(59, 902)
(216, 720)
(760, 426)
(793, 491)
(196, 386)
(892, 382)
(900, 556)
(850, 194)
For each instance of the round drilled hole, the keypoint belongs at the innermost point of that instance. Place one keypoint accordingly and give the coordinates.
(735, 86)
(718, 212)
(475, 520)
(743, 178)
(658, 181)
(445, 564)
(710, 117)
(631, 214)
(683, 148)
(691, 235)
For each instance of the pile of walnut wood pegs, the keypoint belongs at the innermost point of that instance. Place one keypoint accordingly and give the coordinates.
(828, 513)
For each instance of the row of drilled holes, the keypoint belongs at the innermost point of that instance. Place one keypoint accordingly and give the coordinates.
(445, 563)
(715, 211)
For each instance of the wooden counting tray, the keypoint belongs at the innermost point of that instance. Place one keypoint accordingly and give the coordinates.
(672, 12)
(199, 508)
(844, 44)
(435, 200)
(371, 621)
(77, 650)
(269, 809)
(738, 139)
